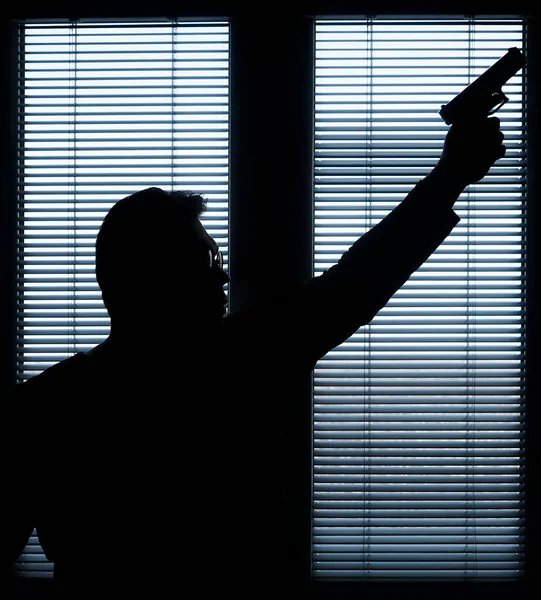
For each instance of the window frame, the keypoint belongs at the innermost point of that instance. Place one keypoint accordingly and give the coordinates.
(270, 93)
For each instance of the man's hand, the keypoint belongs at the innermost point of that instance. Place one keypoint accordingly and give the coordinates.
(470, 150)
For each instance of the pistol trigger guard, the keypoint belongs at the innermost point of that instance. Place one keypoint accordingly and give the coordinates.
(500, 98)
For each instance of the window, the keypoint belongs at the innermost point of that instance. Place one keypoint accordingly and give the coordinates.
(419, 416)
(105, 110)
(419, 419)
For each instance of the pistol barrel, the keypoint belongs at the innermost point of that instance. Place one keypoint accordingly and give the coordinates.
(476, 100)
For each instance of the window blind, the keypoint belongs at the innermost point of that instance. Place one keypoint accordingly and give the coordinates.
(106, 109)
(418, 418)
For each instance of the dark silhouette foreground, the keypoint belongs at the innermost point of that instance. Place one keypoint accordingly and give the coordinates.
(158, 458)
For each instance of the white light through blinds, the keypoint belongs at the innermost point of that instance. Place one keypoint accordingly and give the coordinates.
(105, 110)
(418, 417)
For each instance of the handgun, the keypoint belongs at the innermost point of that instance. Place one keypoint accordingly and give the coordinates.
(484, 96)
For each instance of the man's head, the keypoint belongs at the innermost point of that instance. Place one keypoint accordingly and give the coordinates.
(156, 267)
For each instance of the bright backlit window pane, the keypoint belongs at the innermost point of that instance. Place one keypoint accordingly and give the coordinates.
(419, 416)
(106, 110)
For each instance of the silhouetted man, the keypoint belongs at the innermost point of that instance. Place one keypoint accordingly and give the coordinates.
(157, 457)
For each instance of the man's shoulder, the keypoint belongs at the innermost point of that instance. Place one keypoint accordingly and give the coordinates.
(55, 377)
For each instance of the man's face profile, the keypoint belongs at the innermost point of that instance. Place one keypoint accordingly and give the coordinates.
(182, 288)
(201, 276)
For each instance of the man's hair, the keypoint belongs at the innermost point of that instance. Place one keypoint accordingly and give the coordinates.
(140, 230)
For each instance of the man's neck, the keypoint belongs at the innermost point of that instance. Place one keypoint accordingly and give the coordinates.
(146, 350)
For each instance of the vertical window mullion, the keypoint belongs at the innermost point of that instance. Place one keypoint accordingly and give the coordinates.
(272, 128)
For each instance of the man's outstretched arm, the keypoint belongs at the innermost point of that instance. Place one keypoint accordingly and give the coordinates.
(327, 310)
